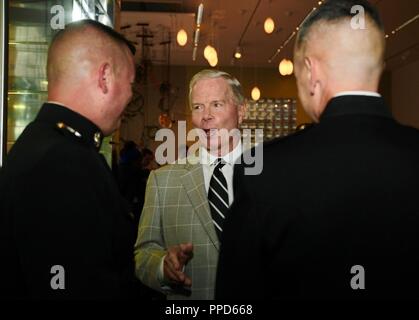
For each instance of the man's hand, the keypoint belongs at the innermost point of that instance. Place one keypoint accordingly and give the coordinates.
(176, 258)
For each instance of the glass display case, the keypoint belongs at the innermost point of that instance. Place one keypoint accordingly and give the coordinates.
(276, 117)
(31, 26)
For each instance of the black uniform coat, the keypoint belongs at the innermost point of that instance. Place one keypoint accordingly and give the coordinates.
(340, 195)
(60, 206)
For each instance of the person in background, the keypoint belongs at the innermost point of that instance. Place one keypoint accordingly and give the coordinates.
(334, 213)
(65, 230)
(130, 177)
(149, 162)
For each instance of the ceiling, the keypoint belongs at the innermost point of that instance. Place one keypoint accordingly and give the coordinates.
(226, 23)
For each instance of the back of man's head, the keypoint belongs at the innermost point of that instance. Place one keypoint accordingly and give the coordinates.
(339, 47)
(87, 39)
(335, 10)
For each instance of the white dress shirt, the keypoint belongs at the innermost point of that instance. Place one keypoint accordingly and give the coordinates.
(357, 93)
(208, 165)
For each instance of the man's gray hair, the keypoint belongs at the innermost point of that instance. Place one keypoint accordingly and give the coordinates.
(234, 84)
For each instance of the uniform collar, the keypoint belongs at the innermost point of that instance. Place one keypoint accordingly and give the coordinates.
(71, 122)
(356, 105)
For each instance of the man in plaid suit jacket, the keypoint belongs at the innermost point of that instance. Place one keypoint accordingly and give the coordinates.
(177, 246)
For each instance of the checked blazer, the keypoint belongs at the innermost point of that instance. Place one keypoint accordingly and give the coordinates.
(175, 211)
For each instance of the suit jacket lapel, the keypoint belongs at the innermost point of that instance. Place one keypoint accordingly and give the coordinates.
(194, 184)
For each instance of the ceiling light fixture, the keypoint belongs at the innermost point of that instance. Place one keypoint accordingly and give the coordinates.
(238, 53)
(269, 25)
(197, 30)
(213, 61)
(182, 37)
(255, 93)
(286, 67)
(404, 25)
(247, 26)
(209, 52)
(293, 33)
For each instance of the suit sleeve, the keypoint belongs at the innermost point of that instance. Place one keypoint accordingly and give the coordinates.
(150, 247)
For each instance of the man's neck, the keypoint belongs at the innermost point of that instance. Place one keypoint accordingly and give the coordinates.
(223, 151)
(230, 155)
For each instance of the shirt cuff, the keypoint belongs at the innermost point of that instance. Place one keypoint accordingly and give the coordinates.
(160, 272)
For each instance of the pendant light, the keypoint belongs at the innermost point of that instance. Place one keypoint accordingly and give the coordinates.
(269, 25)
(255, 93)
(182, 37)
(286, 67)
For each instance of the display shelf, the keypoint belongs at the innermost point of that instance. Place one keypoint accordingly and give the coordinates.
(275, 117)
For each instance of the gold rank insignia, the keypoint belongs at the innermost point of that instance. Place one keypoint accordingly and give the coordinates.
(97, 138)
(62, 125)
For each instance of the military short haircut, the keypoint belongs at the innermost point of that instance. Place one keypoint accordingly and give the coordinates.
(104, 29)
(335, 10)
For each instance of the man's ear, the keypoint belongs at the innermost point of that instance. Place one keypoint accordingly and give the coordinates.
(312, 71)
(308, 68)
(104, 77)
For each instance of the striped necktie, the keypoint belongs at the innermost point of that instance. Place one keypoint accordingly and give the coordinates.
(218, 197)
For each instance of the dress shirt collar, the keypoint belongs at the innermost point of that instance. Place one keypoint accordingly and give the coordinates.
(357, 93)
(230, 158)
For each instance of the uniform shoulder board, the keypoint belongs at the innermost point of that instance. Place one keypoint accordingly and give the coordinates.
(62, 127)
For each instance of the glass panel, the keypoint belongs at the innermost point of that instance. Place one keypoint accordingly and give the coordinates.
(29, 36)
(30, 33)
(2, 77)
(277, 117)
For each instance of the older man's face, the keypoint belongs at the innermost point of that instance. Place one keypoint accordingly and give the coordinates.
(213, 107)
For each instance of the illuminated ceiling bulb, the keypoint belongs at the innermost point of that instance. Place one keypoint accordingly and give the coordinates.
(269, 25)
(209, 52)
(283, 67)
(255, 93)
(182, 37)
(238, 53)
(213, 61)
(290, 67)
(286, 67)
(213, 55)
